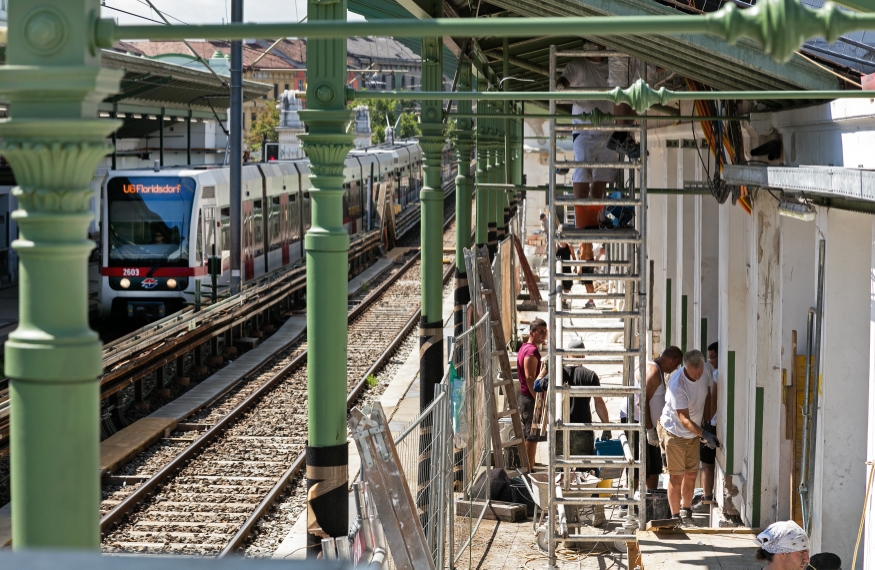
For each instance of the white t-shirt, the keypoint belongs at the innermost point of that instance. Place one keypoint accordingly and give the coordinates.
(714, 419)
(583, 74)
(624, 404)
(683, 393)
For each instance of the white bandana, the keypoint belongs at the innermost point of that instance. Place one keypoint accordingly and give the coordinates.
(783, 537)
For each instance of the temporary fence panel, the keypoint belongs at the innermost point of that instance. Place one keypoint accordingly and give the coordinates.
(472, 449)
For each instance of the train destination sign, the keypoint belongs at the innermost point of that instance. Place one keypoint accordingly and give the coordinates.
(151, 188)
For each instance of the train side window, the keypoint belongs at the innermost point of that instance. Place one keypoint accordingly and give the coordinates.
(199, 245)
(226, 228)
(257, 227)
(274, 223)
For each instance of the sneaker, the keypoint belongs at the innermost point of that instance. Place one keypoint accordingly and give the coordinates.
(686, 519)
(702, 507)
(589, 304)
(624, 143)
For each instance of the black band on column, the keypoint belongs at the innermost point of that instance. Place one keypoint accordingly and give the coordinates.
(461, 297)
(327, 497)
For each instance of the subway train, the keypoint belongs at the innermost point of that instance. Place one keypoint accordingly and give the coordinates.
(161, 226)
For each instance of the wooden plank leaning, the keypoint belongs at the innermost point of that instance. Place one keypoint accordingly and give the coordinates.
(483, 339)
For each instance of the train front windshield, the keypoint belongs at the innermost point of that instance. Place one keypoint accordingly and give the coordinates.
(149, 220)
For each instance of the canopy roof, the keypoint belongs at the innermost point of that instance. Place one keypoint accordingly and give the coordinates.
(706, 59)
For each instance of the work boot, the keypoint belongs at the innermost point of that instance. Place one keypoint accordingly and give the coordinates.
(625, 144)
(598, 515)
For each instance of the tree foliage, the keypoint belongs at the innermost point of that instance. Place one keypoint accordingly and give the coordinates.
(382, 110)
(267, 119)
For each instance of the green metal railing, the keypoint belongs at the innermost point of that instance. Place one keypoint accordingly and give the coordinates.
(639, 96)
(780, 27)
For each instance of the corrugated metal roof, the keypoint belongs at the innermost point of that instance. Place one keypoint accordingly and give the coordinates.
(166, 84)
(707, 59)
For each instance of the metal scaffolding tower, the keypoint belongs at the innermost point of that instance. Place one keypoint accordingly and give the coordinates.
(624, 266)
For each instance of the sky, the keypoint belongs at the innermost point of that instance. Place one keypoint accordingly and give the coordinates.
(207, 11)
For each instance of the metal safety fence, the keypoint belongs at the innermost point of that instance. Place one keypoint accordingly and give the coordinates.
(445, 453)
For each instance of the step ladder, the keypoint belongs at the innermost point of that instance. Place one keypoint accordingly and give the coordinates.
(624, 270)
(482, 288)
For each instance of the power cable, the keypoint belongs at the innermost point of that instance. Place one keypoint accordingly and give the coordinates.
(103, 5)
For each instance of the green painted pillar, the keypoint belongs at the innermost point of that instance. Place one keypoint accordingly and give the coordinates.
(481, 229)
(492, 178)
(502, 211)
(431, 325)
(327, 242)
(54, 141)
(432, 198)
(463, 143)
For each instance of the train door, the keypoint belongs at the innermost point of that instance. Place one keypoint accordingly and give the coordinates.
(247, 238)
(259, 235)
(210, 230)
(285, 233)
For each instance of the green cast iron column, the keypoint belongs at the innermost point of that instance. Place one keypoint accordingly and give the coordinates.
(432, 198)
(501, 208)
(431, 339)
(54, 141)
(327, 244)
(463, 144)
(481, 198)
(492, 178)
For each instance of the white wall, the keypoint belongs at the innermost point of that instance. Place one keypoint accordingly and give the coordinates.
(839, 483)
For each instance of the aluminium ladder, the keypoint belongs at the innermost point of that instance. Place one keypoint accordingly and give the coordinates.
(625, 267)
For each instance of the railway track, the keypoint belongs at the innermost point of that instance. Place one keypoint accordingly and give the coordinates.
(152, 356)
(207, 499)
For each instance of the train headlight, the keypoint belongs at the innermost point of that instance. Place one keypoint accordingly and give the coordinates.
(171, 283)
(124, 283)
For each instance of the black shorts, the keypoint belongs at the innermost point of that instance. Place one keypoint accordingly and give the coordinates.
(653, 457)
(706, 454)
(526, 406)
(587, 270)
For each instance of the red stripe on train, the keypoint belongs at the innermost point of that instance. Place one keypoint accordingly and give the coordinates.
(160, 272)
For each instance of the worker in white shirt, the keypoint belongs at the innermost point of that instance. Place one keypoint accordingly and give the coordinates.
(681, 432)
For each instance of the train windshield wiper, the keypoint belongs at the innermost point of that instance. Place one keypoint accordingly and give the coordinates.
(164, 258)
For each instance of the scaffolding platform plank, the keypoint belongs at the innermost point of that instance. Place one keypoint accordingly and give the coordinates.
(722, 549)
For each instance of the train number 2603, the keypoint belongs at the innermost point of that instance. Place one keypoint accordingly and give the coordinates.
(131, 272)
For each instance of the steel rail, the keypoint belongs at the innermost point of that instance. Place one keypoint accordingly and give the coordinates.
(570, 96)
(185, 330)
(132, 500)
(147, 487)
(779, 26)
(277, 490)
(605, 116)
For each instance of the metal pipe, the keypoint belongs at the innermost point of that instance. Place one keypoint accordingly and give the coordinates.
(616, 95)
(607, 116)
(551, 326)
(815, 369)
(806, 415)
(781, 18)
(643, 268)
(235, 154)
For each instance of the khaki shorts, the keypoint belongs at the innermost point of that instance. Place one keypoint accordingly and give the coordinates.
(681, 454)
